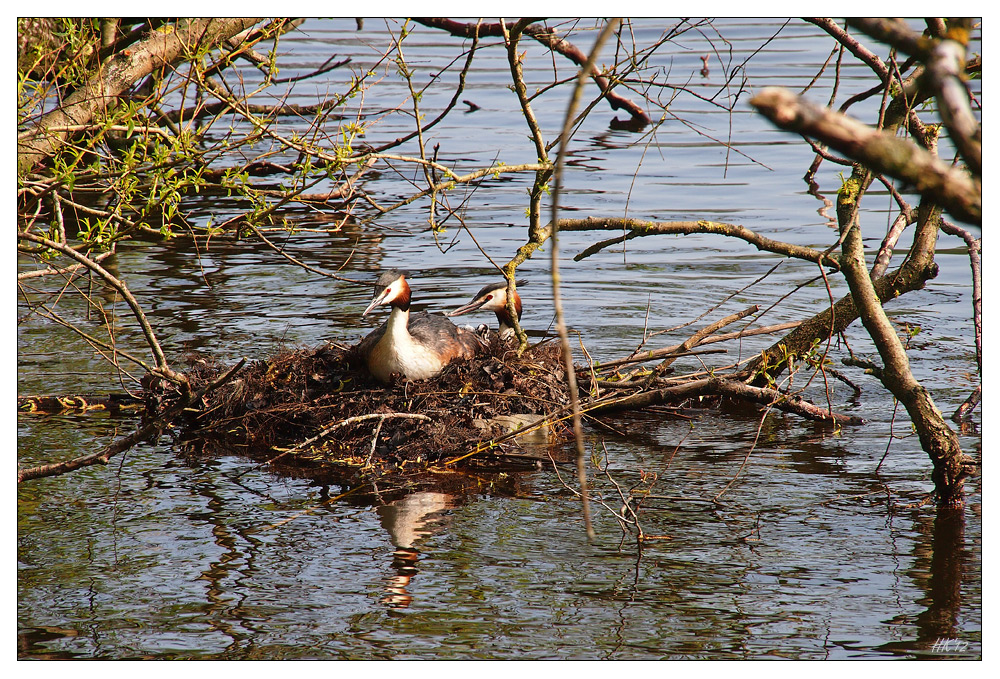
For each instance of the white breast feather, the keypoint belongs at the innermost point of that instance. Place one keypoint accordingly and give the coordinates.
(396, 352)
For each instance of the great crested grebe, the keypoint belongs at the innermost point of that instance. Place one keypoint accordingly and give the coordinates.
(493, 298)
(416, 346)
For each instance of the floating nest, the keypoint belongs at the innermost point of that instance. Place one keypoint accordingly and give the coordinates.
(319, 413)
(321, 407)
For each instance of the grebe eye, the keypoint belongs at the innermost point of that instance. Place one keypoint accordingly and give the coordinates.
(489, 297)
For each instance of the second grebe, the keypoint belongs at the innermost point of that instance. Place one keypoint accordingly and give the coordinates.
(417, 346)
(493, 298)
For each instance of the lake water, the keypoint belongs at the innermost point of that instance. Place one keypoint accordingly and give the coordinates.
(814, 552)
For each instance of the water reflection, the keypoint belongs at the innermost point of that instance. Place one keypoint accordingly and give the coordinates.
(941, 562)
(32, 643)
(408, 521)
(208, 562)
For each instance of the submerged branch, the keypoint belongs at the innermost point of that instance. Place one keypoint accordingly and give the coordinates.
(936, 437)
(140, 434)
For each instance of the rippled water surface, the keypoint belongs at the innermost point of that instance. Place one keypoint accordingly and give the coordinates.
(167, 556)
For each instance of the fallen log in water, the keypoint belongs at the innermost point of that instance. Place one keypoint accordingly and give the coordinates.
(113, 403)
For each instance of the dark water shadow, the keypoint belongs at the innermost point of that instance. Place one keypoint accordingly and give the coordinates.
(942, 567)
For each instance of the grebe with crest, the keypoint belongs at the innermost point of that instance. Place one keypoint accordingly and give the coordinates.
(416, 346)
(493, 298)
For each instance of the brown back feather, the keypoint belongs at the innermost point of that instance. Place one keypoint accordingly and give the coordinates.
(437, 331)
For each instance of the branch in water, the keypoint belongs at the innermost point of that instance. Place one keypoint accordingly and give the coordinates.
(948, 186)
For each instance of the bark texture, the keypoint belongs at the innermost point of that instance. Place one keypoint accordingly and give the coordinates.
(952, 188)
(161, 48)
(951, 466)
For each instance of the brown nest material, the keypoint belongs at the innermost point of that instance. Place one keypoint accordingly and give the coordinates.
(321, 406)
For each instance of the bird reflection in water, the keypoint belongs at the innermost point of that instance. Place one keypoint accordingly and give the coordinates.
(408, 520)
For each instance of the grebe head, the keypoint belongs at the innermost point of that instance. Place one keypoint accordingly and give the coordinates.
(390, 288)
(492, 297)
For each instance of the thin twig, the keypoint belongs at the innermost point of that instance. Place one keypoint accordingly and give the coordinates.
(334, 427)
(656, 354)
(606, 32)
(161, 361)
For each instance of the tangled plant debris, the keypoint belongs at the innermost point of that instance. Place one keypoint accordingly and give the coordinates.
(320, 407)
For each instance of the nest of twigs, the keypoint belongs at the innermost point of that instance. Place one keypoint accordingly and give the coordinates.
(321, 406)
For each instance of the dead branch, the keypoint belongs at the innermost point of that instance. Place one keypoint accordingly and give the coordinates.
(945, 68)
(716, 386)
(549, 38)
(161, 361)
(635, 228)
(766, 330)
(882, 152)
(895, 32)
(865, 364)
(697, 337)
(381, 417)
(888, 243)
(937, 439)
(567, 352)
(450, 182)
(968, 405)
(975, 247)
(856, 48)
(656, 354)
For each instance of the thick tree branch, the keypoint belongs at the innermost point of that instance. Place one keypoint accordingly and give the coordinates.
(856, 48)
(945, 68)
(895, 32)
(944, 56)
(936, 437)
(950, 187)
(162, 47)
